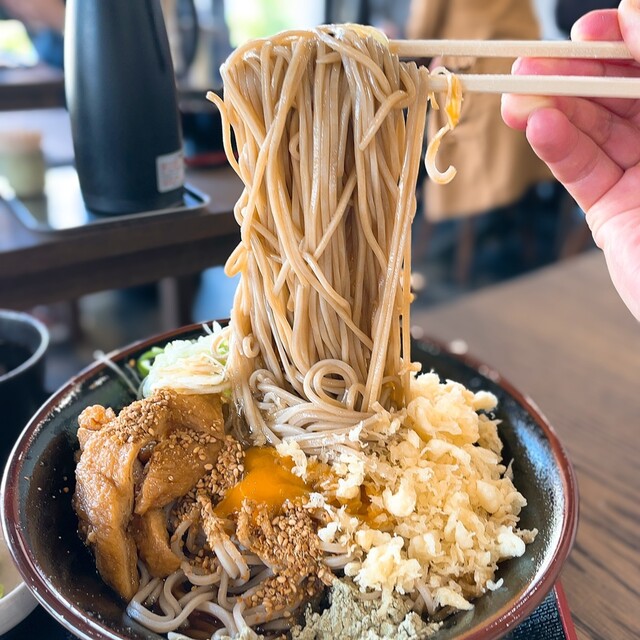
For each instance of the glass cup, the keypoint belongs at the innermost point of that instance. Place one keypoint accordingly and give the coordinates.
(22, 162)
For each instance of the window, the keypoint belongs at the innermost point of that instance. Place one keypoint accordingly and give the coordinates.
(258, 18)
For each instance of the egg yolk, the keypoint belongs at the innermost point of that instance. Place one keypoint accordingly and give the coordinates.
(267, 480)
(454, 101)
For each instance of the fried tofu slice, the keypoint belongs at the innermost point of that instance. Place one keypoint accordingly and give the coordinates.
(105, 482)
(183, 434)
(152, 540)
(175, 466)
(197, 413)
(103, 502)
(92, 419)
(185, 455)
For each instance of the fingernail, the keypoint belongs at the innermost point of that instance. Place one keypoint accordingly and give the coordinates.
(527, 104)
(517, 63)
(577, 32)
(521, 107)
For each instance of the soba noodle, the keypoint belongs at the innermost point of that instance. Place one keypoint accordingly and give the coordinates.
(329, 129)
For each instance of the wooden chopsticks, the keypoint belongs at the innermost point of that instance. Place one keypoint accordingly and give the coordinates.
(510, 49)
(586, 86)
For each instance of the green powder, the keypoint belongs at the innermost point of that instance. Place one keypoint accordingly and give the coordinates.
(349, 617)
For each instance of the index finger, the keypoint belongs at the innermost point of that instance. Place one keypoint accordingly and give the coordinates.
(571, 67)
(597, 25)
(622, 23)
(574, 158)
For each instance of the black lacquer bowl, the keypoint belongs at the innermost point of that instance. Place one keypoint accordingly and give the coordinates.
(40, 524)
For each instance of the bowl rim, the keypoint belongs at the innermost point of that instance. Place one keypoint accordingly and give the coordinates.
(497, 625)
(38, 354)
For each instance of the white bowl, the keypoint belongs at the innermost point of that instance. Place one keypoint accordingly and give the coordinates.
(18, 602)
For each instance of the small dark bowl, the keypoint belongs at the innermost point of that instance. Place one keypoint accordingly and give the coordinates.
(23, 343)
(40, 524)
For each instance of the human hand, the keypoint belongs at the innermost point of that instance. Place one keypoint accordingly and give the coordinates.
(592, 146)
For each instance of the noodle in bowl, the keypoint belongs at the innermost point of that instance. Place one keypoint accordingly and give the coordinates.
(298, 452)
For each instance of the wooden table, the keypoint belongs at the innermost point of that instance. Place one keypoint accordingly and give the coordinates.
(564, 337)
(36, 87)
(39, 268)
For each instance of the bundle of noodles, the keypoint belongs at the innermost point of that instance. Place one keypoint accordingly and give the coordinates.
(329, 128)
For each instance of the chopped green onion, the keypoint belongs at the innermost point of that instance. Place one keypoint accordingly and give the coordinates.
(145, 361)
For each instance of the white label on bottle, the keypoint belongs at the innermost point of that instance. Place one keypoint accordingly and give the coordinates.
(170, 171)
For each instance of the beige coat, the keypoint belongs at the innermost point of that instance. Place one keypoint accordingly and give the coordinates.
(495, 164)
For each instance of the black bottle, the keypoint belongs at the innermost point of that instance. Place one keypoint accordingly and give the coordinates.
(122, 100)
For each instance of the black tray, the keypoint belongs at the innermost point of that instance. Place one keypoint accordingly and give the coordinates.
(62, 209)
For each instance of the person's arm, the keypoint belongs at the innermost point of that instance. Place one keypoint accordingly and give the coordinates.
(593, 146)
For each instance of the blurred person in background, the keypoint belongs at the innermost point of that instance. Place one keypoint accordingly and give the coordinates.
(495, 165)
(44, 21)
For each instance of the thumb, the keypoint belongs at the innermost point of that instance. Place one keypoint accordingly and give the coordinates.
(629, 17)
(619, 238)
